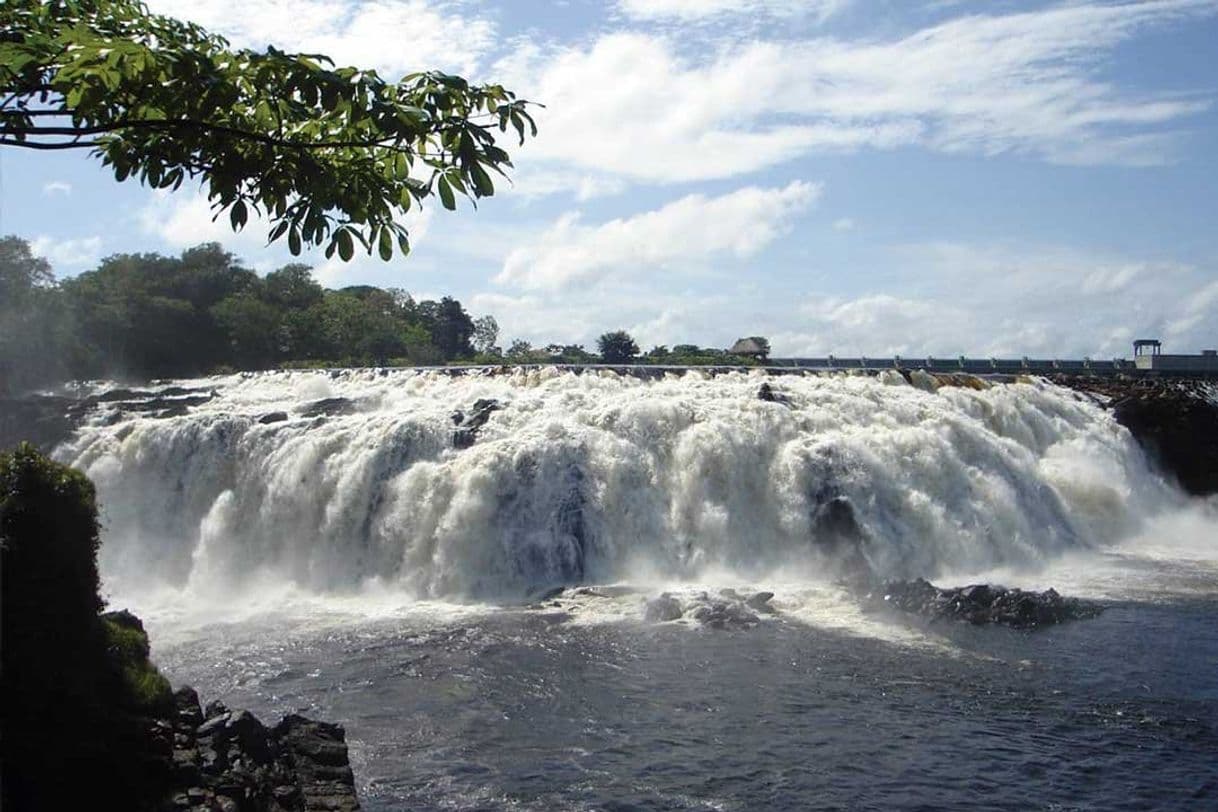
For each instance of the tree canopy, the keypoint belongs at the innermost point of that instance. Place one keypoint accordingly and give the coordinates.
(617, 347)
(127, 317)
(327, 155)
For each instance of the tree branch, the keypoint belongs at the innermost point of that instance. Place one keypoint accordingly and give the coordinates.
(12, 142)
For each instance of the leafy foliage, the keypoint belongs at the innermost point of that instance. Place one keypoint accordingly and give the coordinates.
(153, 316)
(327, 155)
(617, 347)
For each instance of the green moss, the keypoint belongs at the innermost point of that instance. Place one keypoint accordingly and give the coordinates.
(127, 648)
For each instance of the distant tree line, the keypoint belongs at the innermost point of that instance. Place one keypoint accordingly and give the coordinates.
(152, 316)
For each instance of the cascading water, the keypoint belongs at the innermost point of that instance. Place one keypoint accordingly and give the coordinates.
(600, 477)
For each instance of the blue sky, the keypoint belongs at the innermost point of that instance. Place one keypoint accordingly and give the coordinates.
(843, 176)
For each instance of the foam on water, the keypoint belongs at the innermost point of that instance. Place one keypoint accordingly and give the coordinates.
(600, 478)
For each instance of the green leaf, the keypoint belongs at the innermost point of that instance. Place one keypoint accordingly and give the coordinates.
(446, 193)
(482, 181)
(346, 248)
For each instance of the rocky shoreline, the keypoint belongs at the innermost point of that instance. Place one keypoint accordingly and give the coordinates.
(216, 759)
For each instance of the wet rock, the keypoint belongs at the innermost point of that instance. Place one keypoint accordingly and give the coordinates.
(760, 602)
(1174, 420)
(328, 407)
(662, 609)
(214, 708)
(717, 614)
(186, 703)
(273, 417)
(466, 432)
(549, 594)
(215, 725)
(982, 604)
(767, 393)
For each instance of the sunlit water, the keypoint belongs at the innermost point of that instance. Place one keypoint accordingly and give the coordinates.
(358, 568)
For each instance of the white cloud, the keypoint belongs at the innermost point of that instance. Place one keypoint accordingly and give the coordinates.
(56, 187)
(693, 10)
(690, 229)
(68, 255)
(997, 300)
(651, 108)
(1003, 300)
(396, 36)
(844, 224)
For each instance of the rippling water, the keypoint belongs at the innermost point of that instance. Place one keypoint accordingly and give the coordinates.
(585, 706)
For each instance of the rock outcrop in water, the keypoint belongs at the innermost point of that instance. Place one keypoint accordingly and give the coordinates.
(1176, 421)
(227, 760)
(467, 425)
(727, 609)
(980, 604)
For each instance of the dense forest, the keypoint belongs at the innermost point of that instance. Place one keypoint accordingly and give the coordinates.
(151, 316)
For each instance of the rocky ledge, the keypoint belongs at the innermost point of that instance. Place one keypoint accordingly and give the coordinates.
(1174, 420)
(980, 604)
(227, 761)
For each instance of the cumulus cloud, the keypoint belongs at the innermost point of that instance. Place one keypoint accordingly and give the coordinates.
(70, 255)
(56, 187)
(1005, 301)
(690, 229)
(396, 36)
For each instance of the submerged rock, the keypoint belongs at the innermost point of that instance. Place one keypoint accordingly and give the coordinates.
(662, 609)
(982, 604)
(273, 417)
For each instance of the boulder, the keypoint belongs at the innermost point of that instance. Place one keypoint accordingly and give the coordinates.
(662, 609)
(981, 604)
(273, 417)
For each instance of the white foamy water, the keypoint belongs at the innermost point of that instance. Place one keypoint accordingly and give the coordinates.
(599, 478)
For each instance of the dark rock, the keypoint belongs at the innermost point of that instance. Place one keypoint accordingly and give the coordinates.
(725, 615)
(662, 609)
(327, 407)
(215, 726)
(215, 708)
(549, 594)
(466, 432)
(186, 701)
(250, 734)
(273, 417)
(1174, 420)
(766, 392)
(760, 602)
(981, 604)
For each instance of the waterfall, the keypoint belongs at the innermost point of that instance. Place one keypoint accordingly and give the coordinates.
(598, 477)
